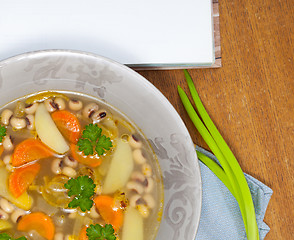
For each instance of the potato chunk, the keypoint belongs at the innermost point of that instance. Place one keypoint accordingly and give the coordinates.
(133, 225)
(120, 168)
(48, 132)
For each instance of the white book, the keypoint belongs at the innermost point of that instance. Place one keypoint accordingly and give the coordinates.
(139, 33)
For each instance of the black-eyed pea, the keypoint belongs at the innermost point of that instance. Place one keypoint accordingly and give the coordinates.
(5, 116)
(134, 142)
(6, 206)
(138, 176)
(60, 103)
(98, 116)
(17, 214)
(71, 162)
(143, 210)
(90, 109)
(147, 170)
(56, 166)
(50, 105)
(134, 200)
(135, 186)
(18, 123)
(149, 185)
(138, 156)
(75, 105)
(149, 200)
(7, 143)
(31, 109)
(58, 236)
(30, 120)
(69, 171)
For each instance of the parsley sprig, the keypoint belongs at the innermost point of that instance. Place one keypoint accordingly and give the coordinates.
(5, 236)
(83, 189)
(92, 139)
(2, 134)
(97, 232)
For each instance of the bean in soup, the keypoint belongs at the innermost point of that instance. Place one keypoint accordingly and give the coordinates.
(73, 167)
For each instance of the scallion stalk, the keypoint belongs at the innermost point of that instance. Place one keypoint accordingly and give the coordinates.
(217, 170)
(231, 168)
(215, 149)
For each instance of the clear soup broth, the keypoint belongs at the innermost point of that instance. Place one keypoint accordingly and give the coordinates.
(70, 163)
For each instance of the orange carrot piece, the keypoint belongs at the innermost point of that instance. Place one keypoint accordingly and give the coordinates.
(1, 149)
(22, 178)
(38, 221)
(68, 124)
(29, 150)
(83, 234)
(91, 160)
(110, 213)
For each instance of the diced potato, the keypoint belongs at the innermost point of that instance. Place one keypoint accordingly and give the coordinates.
(120, 168)
(133, 225)
(4, 225)
(48, 132)
(24, 201)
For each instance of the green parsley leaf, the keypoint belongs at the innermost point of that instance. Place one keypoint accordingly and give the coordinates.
(97, 232)
(92, 132)
(103, 143)
(5, 236)
(83, 189)
(85, 145)
(2, 134)
(92, 139)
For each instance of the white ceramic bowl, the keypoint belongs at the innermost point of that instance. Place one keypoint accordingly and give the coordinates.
(133, 95)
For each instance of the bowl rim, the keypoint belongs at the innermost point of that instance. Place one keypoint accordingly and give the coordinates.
(130, 70)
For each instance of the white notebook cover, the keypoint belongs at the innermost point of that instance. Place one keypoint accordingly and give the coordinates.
(133, 32)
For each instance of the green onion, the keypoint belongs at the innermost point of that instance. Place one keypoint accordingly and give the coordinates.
(215, 149)
(217, 170)
(231, 173)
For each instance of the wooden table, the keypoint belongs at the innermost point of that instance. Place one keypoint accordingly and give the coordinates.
(251, 98)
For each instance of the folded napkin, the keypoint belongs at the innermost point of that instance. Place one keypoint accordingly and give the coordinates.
(221, 218)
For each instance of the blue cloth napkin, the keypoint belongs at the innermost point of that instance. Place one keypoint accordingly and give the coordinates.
(220, 215)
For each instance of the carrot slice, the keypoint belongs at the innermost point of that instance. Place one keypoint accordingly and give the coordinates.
(91, 160)
(108, 210)
(38, 221)
(22, 178)
(28, 151)
(1, 149)
(68, 124)
(83, 234)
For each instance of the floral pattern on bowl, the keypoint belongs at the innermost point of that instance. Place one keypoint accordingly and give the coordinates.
(138, 99)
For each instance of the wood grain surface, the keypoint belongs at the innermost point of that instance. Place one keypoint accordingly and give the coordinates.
(250, 98)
